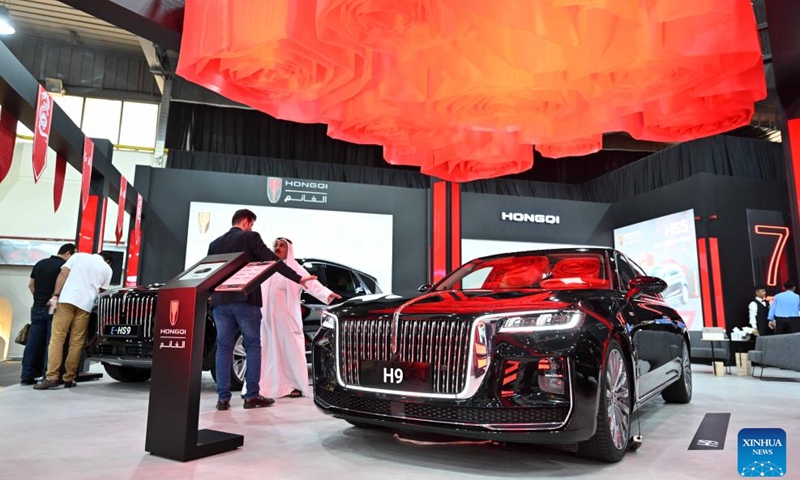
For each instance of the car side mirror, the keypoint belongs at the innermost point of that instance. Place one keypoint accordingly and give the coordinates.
(645, 286)
(425, 288)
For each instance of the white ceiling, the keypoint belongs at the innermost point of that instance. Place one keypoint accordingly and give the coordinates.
(53, 20)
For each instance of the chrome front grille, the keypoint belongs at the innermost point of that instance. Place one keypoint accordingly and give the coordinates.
(127, 310)
(442, 342)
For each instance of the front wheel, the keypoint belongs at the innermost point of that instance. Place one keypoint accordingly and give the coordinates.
(238, 365)
(127, 374)
(613, 411)
(681, 390)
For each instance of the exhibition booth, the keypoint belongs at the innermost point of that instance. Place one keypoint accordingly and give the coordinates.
(474, 320)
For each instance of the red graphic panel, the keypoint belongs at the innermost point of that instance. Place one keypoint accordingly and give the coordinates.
(439, 231)
(88, 224)
(705, 284)
(716, 273)
(86, 173)
(58, 183)
(782, 234)
(123, 189)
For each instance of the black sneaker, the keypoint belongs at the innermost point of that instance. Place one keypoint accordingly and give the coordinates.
(223, 404)
(27, 381)
(258, 402)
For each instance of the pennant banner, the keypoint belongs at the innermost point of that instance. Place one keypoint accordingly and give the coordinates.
(58, 184)
(86, 174)
(8, 137)
(123, 188)
(41, 132)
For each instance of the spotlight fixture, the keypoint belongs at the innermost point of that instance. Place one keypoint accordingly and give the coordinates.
(6, 26)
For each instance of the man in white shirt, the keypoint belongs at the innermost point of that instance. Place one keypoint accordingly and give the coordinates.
(82, 277)
(758, 311)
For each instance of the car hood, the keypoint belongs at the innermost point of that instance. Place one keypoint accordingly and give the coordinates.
(467, 302)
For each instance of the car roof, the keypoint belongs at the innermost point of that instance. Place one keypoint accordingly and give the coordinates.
(599, 250)
(337, 264)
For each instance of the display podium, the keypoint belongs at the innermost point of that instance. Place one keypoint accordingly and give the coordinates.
(172, 415)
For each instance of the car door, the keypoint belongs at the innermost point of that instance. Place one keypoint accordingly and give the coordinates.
(653, 332)
(341, 281)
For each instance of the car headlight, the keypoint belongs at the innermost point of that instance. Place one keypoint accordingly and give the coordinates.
(328, 320)
(541, 321)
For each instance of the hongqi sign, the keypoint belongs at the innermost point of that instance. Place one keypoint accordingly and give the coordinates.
(284, 191)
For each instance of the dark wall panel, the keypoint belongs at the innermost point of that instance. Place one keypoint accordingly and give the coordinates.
(170, 193)
(579, 222)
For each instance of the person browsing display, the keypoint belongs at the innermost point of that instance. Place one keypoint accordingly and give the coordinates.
(232, 310)
(283, 361)
(82, 277)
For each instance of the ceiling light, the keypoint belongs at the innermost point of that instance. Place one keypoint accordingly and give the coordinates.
(6, 27)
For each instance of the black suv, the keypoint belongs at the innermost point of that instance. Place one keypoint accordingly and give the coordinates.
(127, 356)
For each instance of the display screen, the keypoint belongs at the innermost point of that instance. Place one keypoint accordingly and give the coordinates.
(245, 276)
(666, 247)
(202, 271)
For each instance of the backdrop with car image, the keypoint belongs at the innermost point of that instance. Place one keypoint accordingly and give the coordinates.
(374, 229)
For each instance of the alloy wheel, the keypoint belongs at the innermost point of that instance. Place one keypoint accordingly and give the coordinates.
(617, 399)
(687, 370)
(239, 359)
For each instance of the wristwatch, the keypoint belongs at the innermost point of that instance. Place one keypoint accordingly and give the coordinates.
(56, 294)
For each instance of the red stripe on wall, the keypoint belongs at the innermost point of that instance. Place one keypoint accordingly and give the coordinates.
(705, 288)
(793, 127)
(88, 222)
(100, 235)
(455, 230)
(439, 230)
(716, 272)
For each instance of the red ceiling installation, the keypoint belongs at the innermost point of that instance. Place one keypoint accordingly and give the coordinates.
(462, 88)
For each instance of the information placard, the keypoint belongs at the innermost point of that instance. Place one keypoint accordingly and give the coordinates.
(201, 271)
(250, 274)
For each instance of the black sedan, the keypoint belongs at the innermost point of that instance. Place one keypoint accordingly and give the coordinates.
(551, 347)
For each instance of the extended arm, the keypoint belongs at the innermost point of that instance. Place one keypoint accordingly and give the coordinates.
(60, 281)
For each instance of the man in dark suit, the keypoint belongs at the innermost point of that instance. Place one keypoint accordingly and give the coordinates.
(232, 309)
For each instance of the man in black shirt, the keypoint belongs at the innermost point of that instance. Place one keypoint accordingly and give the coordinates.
(232, 309)
(42, 285)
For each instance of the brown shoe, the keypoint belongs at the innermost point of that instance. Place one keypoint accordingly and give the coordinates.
(70, 384)
(45, 384)
(223, 404)
(258, 402)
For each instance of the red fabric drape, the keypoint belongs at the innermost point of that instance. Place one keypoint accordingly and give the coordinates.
(8, 138)
(58, 182)
(462, 88)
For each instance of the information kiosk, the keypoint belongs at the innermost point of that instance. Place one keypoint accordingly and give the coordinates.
(172, 414)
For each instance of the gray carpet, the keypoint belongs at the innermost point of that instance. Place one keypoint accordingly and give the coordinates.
(97, 431)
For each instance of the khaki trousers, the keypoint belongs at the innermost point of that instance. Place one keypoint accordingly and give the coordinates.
(67, 319)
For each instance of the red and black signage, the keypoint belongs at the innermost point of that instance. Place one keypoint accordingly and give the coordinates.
(8, 137)
(123, 188)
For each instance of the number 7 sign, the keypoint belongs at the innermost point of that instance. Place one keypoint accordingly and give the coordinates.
(782, 234)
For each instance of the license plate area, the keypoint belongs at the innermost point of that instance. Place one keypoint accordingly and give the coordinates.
(405, 376)
(121, 331)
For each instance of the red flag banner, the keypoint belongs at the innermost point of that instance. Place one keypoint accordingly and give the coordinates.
(123, 189)
(86, 174)
(41, 132)
(8, 137)
(58, 184)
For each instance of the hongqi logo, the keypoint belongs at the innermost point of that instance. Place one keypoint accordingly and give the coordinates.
(274, 187)
(762, 452)
(173, 311)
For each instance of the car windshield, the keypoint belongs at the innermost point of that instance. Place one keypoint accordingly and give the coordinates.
(551, 271)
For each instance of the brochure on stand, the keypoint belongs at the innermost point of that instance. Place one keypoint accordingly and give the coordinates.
(248, 278)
